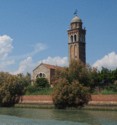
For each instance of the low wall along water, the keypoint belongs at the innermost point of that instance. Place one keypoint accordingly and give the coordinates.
(98, 102)
(46, 99)
(38, 99)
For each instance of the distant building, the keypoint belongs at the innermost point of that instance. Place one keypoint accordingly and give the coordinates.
(76, 46)
(44, 71)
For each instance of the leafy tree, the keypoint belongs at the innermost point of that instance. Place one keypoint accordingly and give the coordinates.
(31, 89)
(42, 83)
(76, 71)
(97, 80)
(70, 95)
(60, 94)
(10, 89)
(69, 86)
(25, 79)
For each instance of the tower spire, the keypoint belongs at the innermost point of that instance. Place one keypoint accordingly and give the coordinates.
(76, 40)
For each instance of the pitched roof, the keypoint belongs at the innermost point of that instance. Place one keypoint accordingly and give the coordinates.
(49, 66)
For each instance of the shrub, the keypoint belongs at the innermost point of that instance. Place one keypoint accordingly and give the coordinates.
(30, 89)
(76, 71)
(10, 89)
(42, 83)
(70, 95)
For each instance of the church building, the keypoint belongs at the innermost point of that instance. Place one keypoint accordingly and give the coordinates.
(44, 71)
(76, 47)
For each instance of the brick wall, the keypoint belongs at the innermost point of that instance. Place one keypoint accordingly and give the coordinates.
(36, 99)
(48, 99)
(104, 97)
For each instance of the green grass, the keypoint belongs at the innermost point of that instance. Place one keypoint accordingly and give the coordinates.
(40, 106)
(44, 91)
(106, 92)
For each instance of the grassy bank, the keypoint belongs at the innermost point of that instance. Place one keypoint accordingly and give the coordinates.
(39, 106)
(105, 92)
(44, 91)
(87, 107)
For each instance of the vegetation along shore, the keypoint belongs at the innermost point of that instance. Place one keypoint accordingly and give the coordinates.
(71, 87)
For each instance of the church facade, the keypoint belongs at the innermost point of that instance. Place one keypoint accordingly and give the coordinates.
(76, 47)
(44, 71)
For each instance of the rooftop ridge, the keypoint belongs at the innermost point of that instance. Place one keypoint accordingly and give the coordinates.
(49, 66)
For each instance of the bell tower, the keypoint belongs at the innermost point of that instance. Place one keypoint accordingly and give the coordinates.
(76, 41)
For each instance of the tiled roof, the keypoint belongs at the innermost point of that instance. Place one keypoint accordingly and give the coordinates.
(51, 66)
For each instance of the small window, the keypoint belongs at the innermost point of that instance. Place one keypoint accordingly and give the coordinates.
(41, 75)
(71, 38)
(75, 38)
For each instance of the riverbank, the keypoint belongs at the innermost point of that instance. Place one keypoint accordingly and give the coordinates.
(87, 107)
(34, 105)
(98, 102)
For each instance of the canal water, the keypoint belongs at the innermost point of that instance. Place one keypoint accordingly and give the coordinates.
(22, 116)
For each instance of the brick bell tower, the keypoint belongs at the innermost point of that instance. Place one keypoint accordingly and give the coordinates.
(76, 40)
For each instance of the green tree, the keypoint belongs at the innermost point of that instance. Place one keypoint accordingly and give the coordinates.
(76, 71)
(70, 95)
(10, 89)
(25, 79)
(69, 86)
(42, 83)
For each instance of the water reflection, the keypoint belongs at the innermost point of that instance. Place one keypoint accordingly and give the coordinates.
(23, 116)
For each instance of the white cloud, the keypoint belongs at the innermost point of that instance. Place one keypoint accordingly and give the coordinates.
(5, 46)
(59, 61)
(38, 48)
(25, 66)
(108, 61)
(25, 62)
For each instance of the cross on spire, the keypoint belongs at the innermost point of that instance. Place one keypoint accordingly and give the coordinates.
(75, 12)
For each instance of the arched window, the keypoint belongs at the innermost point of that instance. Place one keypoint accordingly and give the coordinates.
(71, 52)
(75, 51)
(44, 75)
(75, 38)
(71, 38)
(41, 75)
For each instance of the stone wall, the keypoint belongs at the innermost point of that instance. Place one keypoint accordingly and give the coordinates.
(41, 69)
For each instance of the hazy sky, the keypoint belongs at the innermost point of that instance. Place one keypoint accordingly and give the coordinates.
(34, 31)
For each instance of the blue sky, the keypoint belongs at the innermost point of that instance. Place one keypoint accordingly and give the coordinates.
(34, 31)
